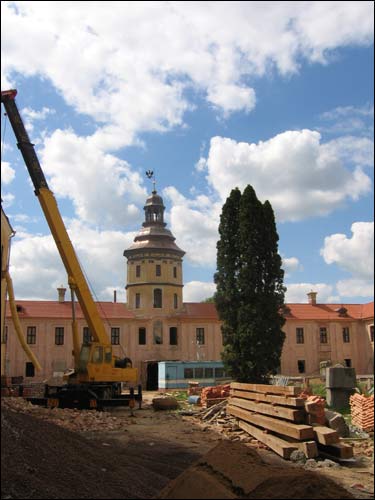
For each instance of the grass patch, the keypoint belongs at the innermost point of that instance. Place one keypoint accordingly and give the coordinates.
(319, 390)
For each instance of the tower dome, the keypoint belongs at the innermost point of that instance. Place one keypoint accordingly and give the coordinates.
(154, 277)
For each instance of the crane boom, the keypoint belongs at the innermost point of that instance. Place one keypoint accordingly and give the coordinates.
(99, 376)
(55, 222)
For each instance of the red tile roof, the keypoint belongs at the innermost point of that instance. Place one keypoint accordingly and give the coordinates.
(203, 310)
(63, 310)
(329, 311)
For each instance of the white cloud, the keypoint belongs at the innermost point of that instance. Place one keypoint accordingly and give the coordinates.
(7, 173)
(7, 199)
(297, 292)
(232, 98)
(291, 264)
(298, 175)
(30, 115)
(116, 64)
(355, 288)
(103, 188)
(197, 291)
(37, 269)
(355, 254)
(194, 223)
(357, 150)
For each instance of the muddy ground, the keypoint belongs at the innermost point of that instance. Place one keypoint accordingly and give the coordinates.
(138, 456)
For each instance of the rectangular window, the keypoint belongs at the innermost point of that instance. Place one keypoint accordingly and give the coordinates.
(200, 336)
(219, 372)
(208, 373)
(188, 373)
(323, 335)
(175, 301)
(198, 373)
(115, 336)
(175, 272)
(158, 270)
(137, 271)
(372, 333)
(301, 366)
(142, 336)
(31, 335)
(87, 337)
(299, 336)
(59, 335)
(348, 363)
(137, 300)
(29, 370)
(346, 334)
(173, 335)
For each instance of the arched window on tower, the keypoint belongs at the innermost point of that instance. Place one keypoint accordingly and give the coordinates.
(158, 300)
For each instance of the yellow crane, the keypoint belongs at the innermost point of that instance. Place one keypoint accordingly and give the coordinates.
(98, 375)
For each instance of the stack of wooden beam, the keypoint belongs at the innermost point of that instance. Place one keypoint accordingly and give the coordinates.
(362, 411)
(276, 416)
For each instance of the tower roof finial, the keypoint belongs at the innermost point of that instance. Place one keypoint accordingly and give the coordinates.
(150, 175)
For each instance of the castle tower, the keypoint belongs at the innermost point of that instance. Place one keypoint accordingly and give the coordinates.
(154, 277)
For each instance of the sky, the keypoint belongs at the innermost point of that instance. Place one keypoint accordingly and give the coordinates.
(210, 96)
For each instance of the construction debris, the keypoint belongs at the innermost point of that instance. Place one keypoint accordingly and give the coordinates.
(362, 411)
(212, 395)
(74, 420)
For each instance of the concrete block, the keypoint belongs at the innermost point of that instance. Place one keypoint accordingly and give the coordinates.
(340, 377)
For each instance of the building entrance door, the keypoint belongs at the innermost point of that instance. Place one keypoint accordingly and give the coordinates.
(152, 383)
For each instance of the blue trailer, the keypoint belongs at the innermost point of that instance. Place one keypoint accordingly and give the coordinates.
(178, 374)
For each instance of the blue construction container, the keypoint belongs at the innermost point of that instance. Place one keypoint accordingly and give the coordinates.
(178, 374)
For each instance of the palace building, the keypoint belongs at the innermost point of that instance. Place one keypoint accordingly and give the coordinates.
(156, 325)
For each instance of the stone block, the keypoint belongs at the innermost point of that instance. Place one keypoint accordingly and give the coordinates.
(340, 377)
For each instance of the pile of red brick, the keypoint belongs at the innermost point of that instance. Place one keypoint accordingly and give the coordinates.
(314, 406)
(362, 411)
(215, 394)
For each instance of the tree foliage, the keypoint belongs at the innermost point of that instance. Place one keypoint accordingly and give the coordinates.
(250, 290)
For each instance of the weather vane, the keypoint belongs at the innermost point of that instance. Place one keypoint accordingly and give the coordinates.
(150, 175)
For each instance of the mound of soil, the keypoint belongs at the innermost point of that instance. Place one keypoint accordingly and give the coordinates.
(42, 460)
(232, 470)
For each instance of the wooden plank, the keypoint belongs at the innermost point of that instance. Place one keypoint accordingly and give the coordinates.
(281, 447)
(325, 435)
(297, 431)
(267, 409)
(309, 448)
(268, 398)
(339, 450)
(268, 389)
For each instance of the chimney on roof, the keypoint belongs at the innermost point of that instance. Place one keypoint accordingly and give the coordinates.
(114, 296)
(311, 296)
(61, 291)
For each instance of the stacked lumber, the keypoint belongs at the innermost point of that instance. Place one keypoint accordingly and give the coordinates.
(212, 395)
(362, 411)
(281, 419)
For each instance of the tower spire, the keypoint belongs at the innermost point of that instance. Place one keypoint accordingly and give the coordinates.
(150, 175)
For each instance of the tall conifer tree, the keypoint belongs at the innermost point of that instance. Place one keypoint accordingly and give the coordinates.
(250, 301)
(227, 293)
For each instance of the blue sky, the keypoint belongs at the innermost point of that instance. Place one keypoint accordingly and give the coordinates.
(210, 96)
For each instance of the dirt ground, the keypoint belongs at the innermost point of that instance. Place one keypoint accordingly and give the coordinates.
(149, 454)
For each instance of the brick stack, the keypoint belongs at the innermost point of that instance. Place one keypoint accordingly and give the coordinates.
(362, 411)
(214, 395)
(314, 407)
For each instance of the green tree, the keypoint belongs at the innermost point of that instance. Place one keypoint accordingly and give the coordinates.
(228, 260)
(251, 292)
